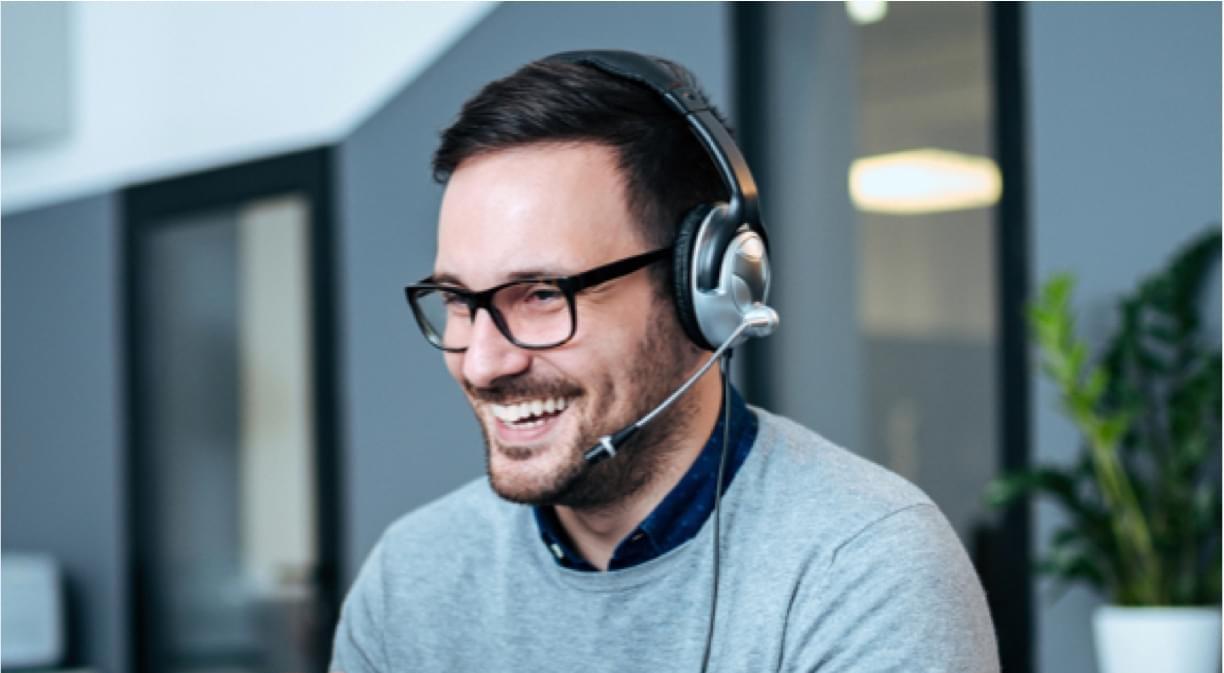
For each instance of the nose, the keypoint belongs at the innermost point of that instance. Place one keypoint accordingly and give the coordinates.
(490, 355)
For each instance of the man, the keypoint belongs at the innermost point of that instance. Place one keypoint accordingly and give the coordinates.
(552, 297)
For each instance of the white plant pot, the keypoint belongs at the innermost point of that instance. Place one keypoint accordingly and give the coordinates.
(1164, 639)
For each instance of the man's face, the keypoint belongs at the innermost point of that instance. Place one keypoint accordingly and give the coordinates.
(559, 210)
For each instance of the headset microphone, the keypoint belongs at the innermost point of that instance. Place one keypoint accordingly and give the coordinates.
(758, 321)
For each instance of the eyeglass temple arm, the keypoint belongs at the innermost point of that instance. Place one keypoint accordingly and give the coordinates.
(617, 269)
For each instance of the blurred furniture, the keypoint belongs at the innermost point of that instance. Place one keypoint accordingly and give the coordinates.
(32, 623)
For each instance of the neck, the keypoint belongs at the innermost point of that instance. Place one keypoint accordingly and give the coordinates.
(597, 531)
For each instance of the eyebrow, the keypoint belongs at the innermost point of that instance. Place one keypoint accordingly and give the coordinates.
(524, 274)
(446, 279)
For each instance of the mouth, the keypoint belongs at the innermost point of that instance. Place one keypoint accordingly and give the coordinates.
(528, 419)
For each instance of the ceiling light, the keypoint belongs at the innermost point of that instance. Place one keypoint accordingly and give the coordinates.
(864, 12)
(924, 181)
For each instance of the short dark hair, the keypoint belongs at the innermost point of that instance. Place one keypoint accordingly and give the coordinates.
(665, 168)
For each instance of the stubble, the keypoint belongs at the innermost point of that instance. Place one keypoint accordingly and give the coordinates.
(660, 364)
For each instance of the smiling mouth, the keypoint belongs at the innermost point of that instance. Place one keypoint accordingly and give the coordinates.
(529, 414)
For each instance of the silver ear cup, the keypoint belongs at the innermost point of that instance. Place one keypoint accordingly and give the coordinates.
(743, 284)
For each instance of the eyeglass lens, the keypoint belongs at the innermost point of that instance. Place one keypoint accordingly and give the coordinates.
(535, 314)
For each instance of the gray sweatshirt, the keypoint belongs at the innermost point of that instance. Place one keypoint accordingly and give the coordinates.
(829, 563)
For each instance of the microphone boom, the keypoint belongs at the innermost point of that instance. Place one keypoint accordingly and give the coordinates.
(760, 320)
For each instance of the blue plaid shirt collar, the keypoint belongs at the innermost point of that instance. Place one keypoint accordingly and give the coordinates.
(681, 513)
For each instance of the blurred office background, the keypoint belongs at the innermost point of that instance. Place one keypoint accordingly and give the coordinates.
(214, 398)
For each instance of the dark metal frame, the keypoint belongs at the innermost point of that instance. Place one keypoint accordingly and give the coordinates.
(1009, 582)
(147, 206)
(750, 23)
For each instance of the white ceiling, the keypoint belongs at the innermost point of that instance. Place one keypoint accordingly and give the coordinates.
(157, 89)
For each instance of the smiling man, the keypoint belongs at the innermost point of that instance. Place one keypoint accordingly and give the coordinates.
(546, 210)
(571, 243)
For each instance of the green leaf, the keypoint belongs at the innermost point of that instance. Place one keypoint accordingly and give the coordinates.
(1070, 566)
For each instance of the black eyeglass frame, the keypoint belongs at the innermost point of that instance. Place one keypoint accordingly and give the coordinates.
(570, 286)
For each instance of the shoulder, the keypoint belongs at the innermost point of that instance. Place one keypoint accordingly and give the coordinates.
(440, 546)
(465, 518)
(802, 470)
(889, 577)
(899, 594)
(847, 506)
(423, 554)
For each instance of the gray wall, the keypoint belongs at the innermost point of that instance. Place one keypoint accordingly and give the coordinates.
(63, 465)
(409, 435)
(1124, 166)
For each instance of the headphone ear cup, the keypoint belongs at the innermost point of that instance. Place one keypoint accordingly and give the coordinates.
(682, 273)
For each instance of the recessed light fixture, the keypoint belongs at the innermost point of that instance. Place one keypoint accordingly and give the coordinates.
(864, 12)
(924, 181)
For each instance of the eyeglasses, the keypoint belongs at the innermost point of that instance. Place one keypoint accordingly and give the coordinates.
(535, 313)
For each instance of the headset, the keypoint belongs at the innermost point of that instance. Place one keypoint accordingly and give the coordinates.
(720, 265)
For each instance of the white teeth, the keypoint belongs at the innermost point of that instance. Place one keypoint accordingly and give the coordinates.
(514, 413)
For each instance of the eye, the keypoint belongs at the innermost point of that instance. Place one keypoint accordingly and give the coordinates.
(543, 294)
(455, 303)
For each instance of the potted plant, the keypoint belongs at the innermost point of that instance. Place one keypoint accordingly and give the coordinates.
(1143, 496)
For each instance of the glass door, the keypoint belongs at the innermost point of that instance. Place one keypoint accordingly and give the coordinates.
(233, 490)
(884, 139)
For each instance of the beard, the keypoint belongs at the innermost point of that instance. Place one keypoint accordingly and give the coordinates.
(658, 365)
